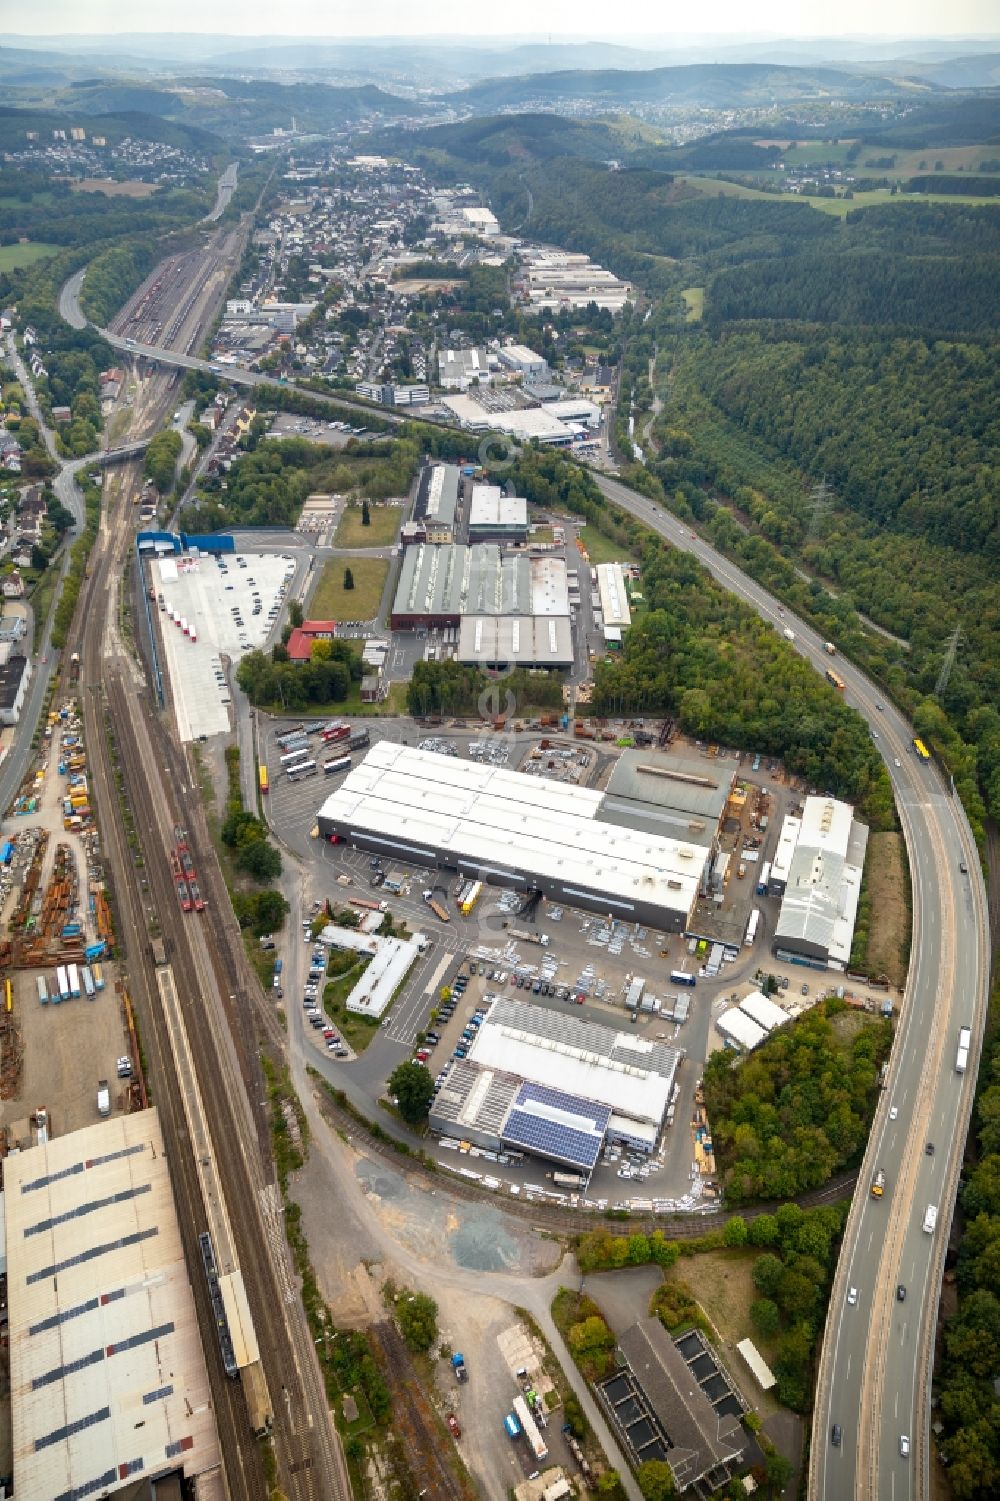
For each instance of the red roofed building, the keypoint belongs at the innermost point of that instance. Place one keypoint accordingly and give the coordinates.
(302, 637)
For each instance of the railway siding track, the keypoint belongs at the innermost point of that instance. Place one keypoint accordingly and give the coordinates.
(416, 1423)
(136, 829)
(241, 1172)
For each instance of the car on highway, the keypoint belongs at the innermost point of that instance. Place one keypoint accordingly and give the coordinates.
(963, 867)
(893, 1112)
(897, 763)
(929, 1149)
(852, 1296)
(900, 1293)
(904, 1445)
(836, 1435)
(880, 708)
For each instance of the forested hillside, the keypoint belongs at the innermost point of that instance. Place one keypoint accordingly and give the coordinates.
(955, 295)
(906, 430)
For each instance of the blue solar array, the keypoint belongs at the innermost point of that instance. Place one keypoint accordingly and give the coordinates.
(552, 1139)
(572, 1104)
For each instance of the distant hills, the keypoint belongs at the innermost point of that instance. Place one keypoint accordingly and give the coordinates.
(442, 63)
(333, 86)
(228, 107)
(709, 85)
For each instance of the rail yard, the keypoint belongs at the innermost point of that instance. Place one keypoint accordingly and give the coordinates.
(200, 1032)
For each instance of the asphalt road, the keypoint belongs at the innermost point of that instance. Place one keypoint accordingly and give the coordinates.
(874, 1378)
(224, 191)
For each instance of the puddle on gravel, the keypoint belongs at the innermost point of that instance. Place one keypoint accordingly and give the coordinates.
(378, 1179)
(475, 1236)
(481, 1243)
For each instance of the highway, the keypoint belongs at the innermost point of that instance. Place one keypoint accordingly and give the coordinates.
(877, 1355)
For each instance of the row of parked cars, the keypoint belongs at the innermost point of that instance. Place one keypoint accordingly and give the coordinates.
(311, 1006)
(529, 982)
(445, 1012)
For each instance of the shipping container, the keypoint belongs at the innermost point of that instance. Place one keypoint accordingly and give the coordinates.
(62, 981)
(43, 990)
(89, 988)
(73, 974)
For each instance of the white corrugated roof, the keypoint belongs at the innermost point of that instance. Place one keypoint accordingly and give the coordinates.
(502, 818)
(763, 1011)
(762, 1371)
(736, 1024)
(108, 1379)
(628, 1089)
(787, 839)
(614, 598)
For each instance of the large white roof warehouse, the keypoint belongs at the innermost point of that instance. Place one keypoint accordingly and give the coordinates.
(513, 830)
(107, 1377)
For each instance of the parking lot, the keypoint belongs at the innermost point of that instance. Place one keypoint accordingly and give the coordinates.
(211, 611)
(555, 957)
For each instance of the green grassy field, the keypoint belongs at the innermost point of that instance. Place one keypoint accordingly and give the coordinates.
(13, 256)
(601, 549)
(836, 206)
(695, 299)
(382, 531)
(331, 601)
(811, 153)
(911, 163)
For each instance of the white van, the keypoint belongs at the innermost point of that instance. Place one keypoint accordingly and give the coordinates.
(930, 1218)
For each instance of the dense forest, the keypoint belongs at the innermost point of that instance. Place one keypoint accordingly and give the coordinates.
(907, 431)
(949, 296)
(872, 458)
(38, 207)
(798, 1108)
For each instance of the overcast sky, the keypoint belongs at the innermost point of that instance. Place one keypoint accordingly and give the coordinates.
(562, 18)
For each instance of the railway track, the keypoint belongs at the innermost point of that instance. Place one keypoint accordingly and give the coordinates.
(251, 1195)
(125, 737)
(244, 1470)
(415, 1423)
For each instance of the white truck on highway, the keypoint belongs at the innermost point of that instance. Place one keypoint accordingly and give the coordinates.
(930, 1219)
(962, 1056)
(788, 633)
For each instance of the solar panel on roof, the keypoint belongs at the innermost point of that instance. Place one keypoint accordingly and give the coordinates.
(588, 1109)
(551, 1139)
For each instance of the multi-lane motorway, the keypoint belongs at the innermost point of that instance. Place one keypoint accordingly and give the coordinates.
(874, 1377)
